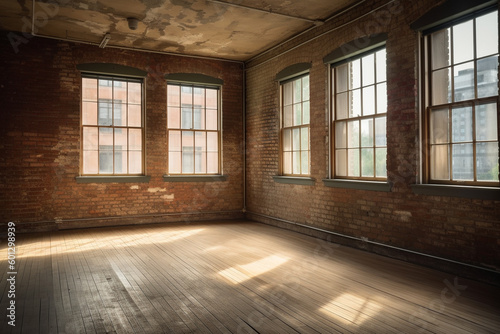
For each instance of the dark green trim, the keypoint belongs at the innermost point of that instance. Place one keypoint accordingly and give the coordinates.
(194, 78)
(293, 71)
(354, 49)
(113, 179)
(486, 193)
(303, 181)
(449, 11)
(112, 69)
(358, 185)
(194, 178)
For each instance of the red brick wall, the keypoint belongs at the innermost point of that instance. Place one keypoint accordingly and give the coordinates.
(40, 141)
(466, 230)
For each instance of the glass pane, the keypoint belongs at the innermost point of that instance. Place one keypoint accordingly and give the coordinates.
(199, 118)
(135, 139)
(134, 115)
(199, 97)
(89, 89)
(367, 162)
(304, 139)
(106, 138)
(287, 117)
(486, 34)
(486, 122)
(287, 163)
(380, 59)
(441, 48)
(341, 106)
(120, 163)
(381, 98)
(174, 141)
(211, 119)
(304, 159)
(464, 81)
(380, 162)
(200, 141)
(121, 139)
(296, 139)
(297, 91)
(353, 134)
(342, 78)
(212, 142)
(368, 66)
(187, 160)
(186, 95)
(120, 92)
(211, 98)
(463, 162)
(441, 86)
(173, 96)
(439, 126)
(296, 162)
(340, 162)
(90, 139)
(353, 162)
(287, 94)
(135, 162)
(105, 112)
(90, 162)
(305, 113)
(340, 135)
(89, 113)
(134, 92)
(212, 163)
(297, 114)
(105, 162)
(355, 96)
(174, 118)
(305, 88)
(487, 77)
(119, 117)
(200, 162)
(380, 131)
(440, 169)
(355, 67)
(187, 118)
(105, 89)
(287, 140)
(174, 162)
(369, 100)
(463, 42)
(367, 132)
(461, 128)
(487, 161)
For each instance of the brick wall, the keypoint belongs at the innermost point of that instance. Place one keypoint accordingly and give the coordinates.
(40, 142)
(465, 230)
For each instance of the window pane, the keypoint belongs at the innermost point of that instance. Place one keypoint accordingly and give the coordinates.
(287, 140)
(188, 160)
(200, 162)
(173, 95)
(120, 162)
(187, 117)
(287, 163)
(134, 115)
(439, 126)
(380, 162)
(380, 131)
(367, 162)
(297, 114)
(287, 93)
(135, 139)
(353, 162)
(340, 134)
(340, 162)
(487, 77)
(381, 65)
(105, 89)
(89, 89)
(304, 138)
(212, 163)
(105, 161)
(211, 119)
(211, 96)
(368, 67)
(212, 142)
(440, 169)
(355, 73)
(174, 162)
(353, 134)
(305, 113)
(304, 159)
(297, 91)
(441, 86)
(199, 97)
(369, 100)
(90, 162)
(461, 129)
(174, 118)
(486, 34)
(381, 98)
(135, 162)
(105, 112)
(463, 162)
(486, 122)
(342, 78)
(119, 117)
(199, 118)
(174, 141)
(134, 92)
(120, 92)
(296, 162)
(464, 82)
(106, 138)
(463, 42)
(200, 141)
(287, 116)
(121, 139)
(355, 96)
(341, 106)
(441, 47)
(90, 139)
(186, 95)
(296, 140)
(305, 88)
(487, 161)
(367, 132)
(89, 113)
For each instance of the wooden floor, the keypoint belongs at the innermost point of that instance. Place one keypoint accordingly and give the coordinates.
(237, 277)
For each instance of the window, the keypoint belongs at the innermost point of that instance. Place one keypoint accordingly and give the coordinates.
(461, 117)
(359, 109)
(193, 129)
(112, 126)
(295, 143)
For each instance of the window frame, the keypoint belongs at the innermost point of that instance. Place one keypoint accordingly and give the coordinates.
(103, 176)
(428, 107)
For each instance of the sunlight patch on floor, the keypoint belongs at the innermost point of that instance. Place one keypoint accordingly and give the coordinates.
(351, 309)
(241, 273)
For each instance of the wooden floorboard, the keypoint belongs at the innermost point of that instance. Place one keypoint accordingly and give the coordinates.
(230, 277)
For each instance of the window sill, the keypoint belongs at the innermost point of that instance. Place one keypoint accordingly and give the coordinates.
(486, 193)
(194, 178)
(358, 185)
(113, 179)
(303, 181)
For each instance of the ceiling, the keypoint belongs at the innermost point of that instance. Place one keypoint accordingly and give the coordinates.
(229, 29)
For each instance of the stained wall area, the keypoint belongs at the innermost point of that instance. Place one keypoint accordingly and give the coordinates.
(40, 142)
(465, 230)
